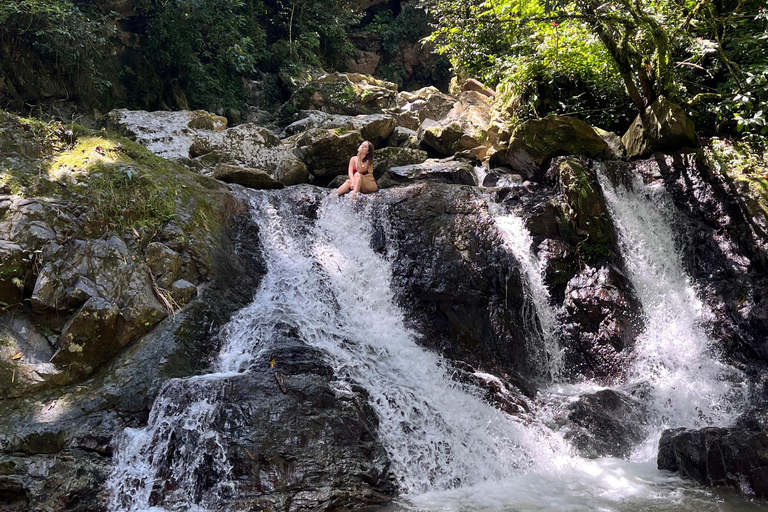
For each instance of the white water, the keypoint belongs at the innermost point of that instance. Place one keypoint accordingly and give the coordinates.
(675, 359)
(449, 450)
(539, 314)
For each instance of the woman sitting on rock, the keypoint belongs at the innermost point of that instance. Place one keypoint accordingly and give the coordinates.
(360, 172)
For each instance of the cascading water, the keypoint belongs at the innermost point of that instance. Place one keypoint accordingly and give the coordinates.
(540, 314)
(449, 449)
(675, 360)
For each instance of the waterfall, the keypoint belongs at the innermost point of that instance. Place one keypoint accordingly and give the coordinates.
(675, 360)
(449, 449)
(326, 281)
(539, 313)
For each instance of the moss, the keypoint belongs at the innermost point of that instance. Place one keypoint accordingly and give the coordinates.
(746, 167)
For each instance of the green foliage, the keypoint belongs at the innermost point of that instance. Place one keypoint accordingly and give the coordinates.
(201, 47)
(52, 44)
(407, 27)
(594, 59)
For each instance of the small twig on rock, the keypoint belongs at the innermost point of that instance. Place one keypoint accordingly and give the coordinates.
(281, 382)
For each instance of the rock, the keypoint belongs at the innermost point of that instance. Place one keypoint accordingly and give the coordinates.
(90, 337)
(536, 141)
(111, 274)
(14, 265)
(374, 128)
(666, 127)
(183, 291)
(404, 138)
(598, 324)
(247, 145)
(443, 137)
(202, 120)
(616, 149)
(292, 171)
(464, 127)
(344, 93)
(435, 171)
(389, 157)
(585, 219)
(714, 456)
(327, 152)
(453, 273)
(164, 263)
(474, 85)
(606, 424)
(245, 176)
(502, 177)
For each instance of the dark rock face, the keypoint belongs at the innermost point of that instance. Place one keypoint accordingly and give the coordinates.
(307, 445)
(606, 424)
(598, 324)
(718, 457)
(455, 277)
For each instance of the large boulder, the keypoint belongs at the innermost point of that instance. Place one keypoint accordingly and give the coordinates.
(246, 145)
(246, 176)
(427, 103)
(435, 171)
(90, 337)
(536, 141)
(373, 127)
(464, 127)
(327, 152)
(344, 93)
(732, 457)
(598, 325)
(460, 284)
(386, 158)
(663, 127)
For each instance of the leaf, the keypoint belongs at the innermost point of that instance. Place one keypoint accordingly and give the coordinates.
(272, 363)
(16, 356)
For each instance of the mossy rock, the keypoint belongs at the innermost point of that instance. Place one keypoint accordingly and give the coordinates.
(538, 140)
(585, 220)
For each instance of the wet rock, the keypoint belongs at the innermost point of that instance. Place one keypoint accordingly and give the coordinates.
(606, 424)
(666, 127)
(435, 171)
(713, 456)
(538, 140)
(389, 157)
(455, 277)
(246, 176)
(598, 324)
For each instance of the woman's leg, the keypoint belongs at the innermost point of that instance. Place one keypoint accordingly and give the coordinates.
(344, 188)
(357, 182)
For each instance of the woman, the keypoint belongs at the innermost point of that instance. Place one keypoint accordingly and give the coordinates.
(360, 172)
